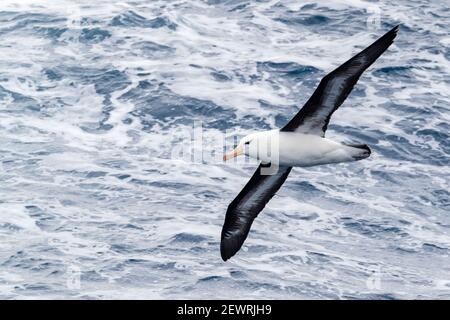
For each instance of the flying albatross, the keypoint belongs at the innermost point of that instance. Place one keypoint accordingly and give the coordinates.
(301, 142)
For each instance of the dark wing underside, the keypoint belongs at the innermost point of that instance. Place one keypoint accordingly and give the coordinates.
(246, 207)
(334, 88)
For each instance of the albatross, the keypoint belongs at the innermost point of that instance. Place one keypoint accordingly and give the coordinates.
(300, 143)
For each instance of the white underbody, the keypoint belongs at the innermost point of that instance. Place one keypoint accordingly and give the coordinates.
(299, 150)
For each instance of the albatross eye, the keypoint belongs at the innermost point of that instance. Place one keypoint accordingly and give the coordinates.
(247, 142)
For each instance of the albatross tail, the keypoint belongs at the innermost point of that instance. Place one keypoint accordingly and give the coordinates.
(363, 151)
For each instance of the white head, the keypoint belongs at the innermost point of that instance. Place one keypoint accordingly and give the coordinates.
(254, 145)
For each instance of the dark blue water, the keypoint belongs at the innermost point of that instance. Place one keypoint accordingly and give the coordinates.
(97, 100)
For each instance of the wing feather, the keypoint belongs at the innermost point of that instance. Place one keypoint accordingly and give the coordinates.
(334, 88)
(246, 207)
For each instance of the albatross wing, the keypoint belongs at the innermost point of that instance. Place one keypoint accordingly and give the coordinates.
(246, 207)
(334, 88)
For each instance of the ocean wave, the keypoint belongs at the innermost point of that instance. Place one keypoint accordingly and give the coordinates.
(93, 99)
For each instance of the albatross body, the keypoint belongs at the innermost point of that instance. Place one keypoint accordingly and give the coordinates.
(298, 150)
(300, 143)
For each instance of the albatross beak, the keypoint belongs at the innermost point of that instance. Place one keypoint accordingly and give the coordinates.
(234, 153)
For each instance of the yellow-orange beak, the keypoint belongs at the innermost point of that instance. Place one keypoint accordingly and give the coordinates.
(234, 153)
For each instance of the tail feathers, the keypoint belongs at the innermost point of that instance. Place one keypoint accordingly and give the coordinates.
(365, 151)
(360, 146)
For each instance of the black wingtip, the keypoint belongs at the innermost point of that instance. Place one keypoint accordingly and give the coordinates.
(224, 256)
(393, 32)
(226, 251)
(223, 253)
(389, 36)
(231, 243)
(229, 246)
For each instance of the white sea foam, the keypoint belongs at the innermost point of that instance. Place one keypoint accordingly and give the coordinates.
(94, 99)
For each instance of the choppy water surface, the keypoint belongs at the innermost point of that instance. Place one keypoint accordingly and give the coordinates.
(91, 94)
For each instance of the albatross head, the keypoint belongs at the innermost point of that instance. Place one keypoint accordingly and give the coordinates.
(260, 145)
(243, 147)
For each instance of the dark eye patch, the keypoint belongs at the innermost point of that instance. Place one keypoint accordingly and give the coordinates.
(247, 142)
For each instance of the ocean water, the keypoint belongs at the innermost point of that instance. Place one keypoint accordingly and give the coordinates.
(95, 96)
